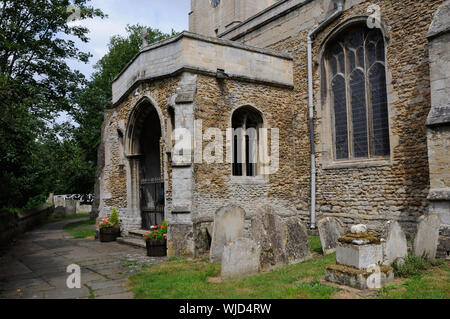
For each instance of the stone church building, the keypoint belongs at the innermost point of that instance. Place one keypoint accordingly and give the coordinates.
(315, 107)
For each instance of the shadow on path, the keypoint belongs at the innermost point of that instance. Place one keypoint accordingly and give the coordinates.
(35, 267)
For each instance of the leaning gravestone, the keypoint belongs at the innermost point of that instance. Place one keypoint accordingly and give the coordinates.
(296, 241)
(426, 241)
(395, 245)
(267, 231)
(228, 226)
(330, 229)
(240, 258)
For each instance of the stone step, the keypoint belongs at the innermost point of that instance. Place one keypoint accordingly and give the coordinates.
(136, 233)
(136, 242)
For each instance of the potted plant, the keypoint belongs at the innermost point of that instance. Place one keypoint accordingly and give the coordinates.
(156, 241)
(109, 228)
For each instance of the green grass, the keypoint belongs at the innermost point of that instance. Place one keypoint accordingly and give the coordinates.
(180, 278)
(414, 265)
(316, 246)
(433, 283)
(52, 219)
(316, 290)
(71, 228)
(91, 291)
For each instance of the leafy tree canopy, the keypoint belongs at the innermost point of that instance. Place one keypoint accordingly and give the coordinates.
(35, 84)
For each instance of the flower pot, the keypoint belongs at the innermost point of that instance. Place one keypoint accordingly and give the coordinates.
(109, 234)
(156, 248)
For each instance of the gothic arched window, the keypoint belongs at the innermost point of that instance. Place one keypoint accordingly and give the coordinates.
(357, 92)
(246, 122)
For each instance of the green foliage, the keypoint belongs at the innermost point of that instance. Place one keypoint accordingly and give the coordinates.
(114, 218)
(431, 284)
(412, 266)
(316, 245)
(157, 232)
(35, 85)
(37, 156)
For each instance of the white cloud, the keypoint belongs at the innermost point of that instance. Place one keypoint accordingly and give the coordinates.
(160, 14)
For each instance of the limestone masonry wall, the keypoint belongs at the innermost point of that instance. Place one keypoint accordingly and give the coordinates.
(397, 188)
(214, 184)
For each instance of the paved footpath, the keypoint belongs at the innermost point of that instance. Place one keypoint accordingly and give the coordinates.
(36, 266)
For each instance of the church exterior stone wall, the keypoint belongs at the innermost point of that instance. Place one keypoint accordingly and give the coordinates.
(262, 63)
(364, 191)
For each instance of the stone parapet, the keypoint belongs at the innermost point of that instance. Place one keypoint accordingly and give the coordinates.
(205, 55)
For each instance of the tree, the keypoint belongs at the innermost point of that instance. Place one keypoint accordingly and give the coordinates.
(35, 84)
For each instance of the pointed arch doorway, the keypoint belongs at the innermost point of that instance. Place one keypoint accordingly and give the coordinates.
(145, 131)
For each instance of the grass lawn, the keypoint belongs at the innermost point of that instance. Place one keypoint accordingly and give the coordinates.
(71, 228)
(433, 283)
(182, 278)
(52, 219)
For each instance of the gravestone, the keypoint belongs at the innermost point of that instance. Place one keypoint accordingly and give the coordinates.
(296, 241)
(240, 258)
(359, 256)
(71, 207)
(59, 212)
(228, 226)
(426, 241)
(395, 245)
(281, 242)
(330, 229)
(267, 231)
(59, 200)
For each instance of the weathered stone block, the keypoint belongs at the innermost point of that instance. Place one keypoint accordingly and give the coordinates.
(228, 226)
(240, 258)
(281, 242)
(357, 278)
(426, 241)
(296, 241)
(330, 229)
(180, 240)
(359, 256)
(359, 229)
(267, 230)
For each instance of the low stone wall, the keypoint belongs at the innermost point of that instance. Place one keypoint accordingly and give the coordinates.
(12, 225)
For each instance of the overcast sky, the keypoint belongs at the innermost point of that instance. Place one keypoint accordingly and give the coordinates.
(160, 14)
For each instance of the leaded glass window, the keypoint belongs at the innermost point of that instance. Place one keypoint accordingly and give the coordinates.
(357, 92)
(246, 123)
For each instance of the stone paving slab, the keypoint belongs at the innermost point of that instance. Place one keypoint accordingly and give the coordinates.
(126, 295)
(36, 266)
